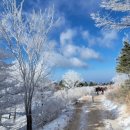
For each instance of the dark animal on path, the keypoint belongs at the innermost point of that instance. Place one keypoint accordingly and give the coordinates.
(100, 89)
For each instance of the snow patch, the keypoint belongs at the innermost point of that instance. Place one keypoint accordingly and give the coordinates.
(83, 118)
(61, 122)
(122, 118)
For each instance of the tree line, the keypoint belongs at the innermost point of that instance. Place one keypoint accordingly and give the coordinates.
(85, 83)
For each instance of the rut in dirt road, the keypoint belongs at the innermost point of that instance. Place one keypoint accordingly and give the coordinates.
(91, 116)
(94, 120)
(74, 124)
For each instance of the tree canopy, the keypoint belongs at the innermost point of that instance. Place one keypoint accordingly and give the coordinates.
(71, 79)
(123, 61)
(26, 36)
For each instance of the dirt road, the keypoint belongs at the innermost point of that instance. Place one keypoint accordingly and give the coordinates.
(91, 116)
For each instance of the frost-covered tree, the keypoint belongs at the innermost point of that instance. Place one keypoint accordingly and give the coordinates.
(123, 64)
(3, 76)
(26, 36)
(8, 93)
(109, 21)
(71, 79)
(119, 79)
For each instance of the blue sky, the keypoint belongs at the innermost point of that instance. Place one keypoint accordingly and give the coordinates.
(80, 45)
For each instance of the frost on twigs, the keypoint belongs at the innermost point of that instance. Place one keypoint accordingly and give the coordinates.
(26, 36)
(110, 22)
(71, 79)
(116, 5)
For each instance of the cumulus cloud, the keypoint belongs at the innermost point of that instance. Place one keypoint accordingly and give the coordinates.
(77, 62)
(71, 54)
(61, 61)
(66, 37)
(83, 52)
(88, 53)
(69, 48)
(105, 38)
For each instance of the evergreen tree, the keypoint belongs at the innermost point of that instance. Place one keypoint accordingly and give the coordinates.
(61, 84)
(86, 84)
(123, 61)
(92, 83)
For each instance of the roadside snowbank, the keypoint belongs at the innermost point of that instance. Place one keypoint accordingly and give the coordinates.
(118, 112)
(61, 122)
(79, 94)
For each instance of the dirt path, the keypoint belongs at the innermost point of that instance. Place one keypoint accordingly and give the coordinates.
(91, 116)
(94, 119)
(74, 124)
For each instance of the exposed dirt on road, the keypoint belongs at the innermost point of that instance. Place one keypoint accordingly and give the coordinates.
(91, 116)
(74, 124)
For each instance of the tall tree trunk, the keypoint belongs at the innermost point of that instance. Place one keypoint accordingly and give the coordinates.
(9, 115)
(29, 119)
(14, 115)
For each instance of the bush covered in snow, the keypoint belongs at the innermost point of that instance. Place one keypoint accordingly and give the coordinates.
(75, 93)
(50, 108)
(48, 111)
(71, 79)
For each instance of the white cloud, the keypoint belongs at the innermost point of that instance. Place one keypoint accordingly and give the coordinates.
(88, 53)
(69, 50)
(59, 60)
(108, 38)
(66, 37)
(70, 54)
(90, 39)
(77, 62)
(62, 61)
(105, 38)
(52, 43)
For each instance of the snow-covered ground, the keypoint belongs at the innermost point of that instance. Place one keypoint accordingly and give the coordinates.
(83, 118)
(19, 123)
(121, 118)
(114, 116)
(61, 122)
(64, 103)
(78, 94)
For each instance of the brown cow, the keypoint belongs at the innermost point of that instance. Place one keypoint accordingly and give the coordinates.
(100, 89)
